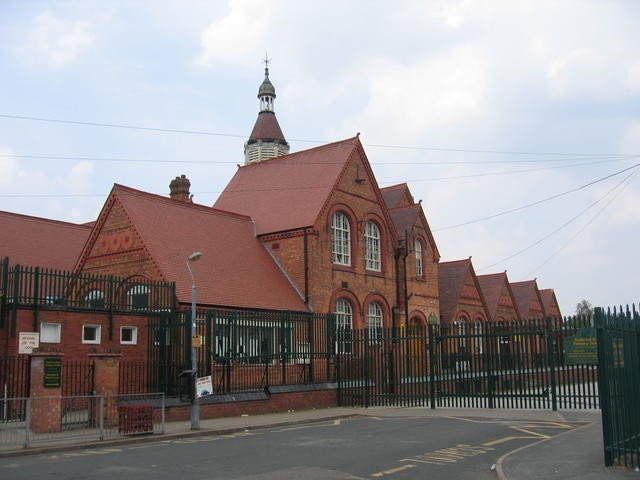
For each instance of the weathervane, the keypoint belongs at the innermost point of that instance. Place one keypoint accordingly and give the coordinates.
(266, 60)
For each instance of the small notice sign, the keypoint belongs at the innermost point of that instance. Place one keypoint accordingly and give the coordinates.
(582, 348)
(204, 386)
(28, 342)
(52, 372)
(196, 341)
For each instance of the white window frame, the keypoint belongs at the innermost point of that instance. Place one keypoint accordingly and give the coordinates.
(94, 296)
(44, 338)
(344, 322)
(372, 247)
(419, 263)
(134, 334)
(136, 291)
(461, 327)
(341, 239)
(98, 335)
(375, 322)
(478, 328)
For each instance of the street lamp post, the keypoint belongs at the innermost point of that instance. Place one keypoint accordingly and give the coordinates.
(195, 405)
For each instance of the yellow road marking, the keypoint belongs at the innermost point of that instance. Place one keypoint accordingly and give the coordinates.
(335, 422)
(534, 434)
(392, 471)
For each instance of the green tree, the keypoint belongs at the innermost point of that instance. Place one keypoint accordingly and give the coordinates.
(584, 310)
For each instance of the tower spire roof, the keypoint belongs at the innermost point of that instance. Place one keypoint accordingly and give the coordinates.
(266, 139)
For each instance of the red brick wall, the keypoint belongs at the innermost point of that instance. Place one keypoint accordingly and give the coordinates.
(279, 402)
(71, 333)
(118, 250)
(359, 200)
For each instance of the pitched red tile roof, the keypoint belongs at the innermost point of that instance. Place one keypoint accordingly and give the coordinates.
(40, 242)
(267, 128)
(235, 269)
(525, 294)
(405, 218)
(287, 192)
(451, 276)
(451, 281)
(550, 302)
(492, 286)
(394, 195)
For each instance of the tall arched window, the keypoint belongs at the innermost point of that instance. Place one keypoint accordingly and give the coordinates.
(94, 299)
(341, 239)
(461, 326)
(477, 330)
(372, 247)
(419, 266)
(138, 297)
(344, 323)
(375, 321)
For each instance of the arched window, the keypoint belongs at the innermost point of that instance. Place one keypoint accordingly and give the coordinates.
(341, 239)
(419, 266)
(344, 323)
(375, 322)
(94, 299)
(372, 247)
(477, 330)
(138, 297)
(461, 327)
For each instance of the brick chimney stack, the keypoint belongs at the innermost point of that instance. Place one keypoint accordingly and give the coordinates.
(179, 188)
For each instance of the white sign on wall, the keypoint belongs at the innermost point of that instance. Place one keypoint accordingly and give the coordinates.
(28, 342)
(204, 386)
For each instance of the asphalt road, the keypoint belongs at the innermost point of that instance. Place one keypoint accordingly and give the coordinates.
(357, 448)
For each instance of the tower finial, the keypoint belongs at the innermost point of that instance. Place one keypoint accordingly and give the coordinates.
(266, 61)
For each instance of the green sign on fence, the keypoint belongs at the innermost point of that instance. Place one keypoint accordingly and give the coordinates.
(582, 348)
(52, 372)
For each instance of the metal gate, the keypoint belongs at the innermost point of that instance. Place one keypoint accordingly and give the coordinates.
(529, 364)
(619, 357)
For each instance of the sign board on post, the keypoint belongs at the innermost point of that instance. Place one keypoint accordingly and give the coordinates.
(582, 348)
(196, 341)
(52, 372)
(28, 342)
(204, 386)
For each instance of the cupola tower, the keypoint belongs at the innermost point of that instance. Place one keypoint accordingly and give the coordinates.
(266, 140)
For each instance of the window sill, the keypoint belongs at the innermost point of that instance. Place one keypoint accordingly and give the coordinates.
(343, 268)
(374, 273)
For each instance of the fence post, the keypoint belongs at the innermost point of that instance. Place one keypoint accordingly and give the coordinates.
(36, 300)
(17, 281)
(603, 382)
(552, 365)
(27, 421)
(432, 377)
(101, 417)
(489, 360)
(4, 285)
(162, 415)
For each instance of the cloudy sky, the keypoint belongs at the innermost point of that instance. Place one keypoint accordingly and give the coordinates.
(515, 122)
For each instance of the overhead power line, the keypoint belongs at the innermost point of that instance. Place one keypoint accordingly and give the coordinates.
(627, 180)
(565, 224)
(235, 135)
(538, 202)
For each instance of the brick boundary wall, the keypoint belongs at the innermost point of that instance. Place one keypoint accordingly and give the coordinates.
(276, 403)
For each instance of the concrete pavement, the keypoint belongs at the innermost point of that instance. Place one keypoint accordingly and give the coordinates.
(576, 453)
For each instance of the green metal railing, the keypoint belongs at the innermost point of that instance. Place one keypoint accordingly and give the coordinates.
(619, 357)
(37, 287)
(532, 364)
(243, 351)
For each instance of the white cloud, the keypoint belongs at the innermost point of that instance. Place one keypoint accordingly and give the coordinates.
(237, 35)
(633, 77)
(407, 100)
(576, 72)
(58, 41)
